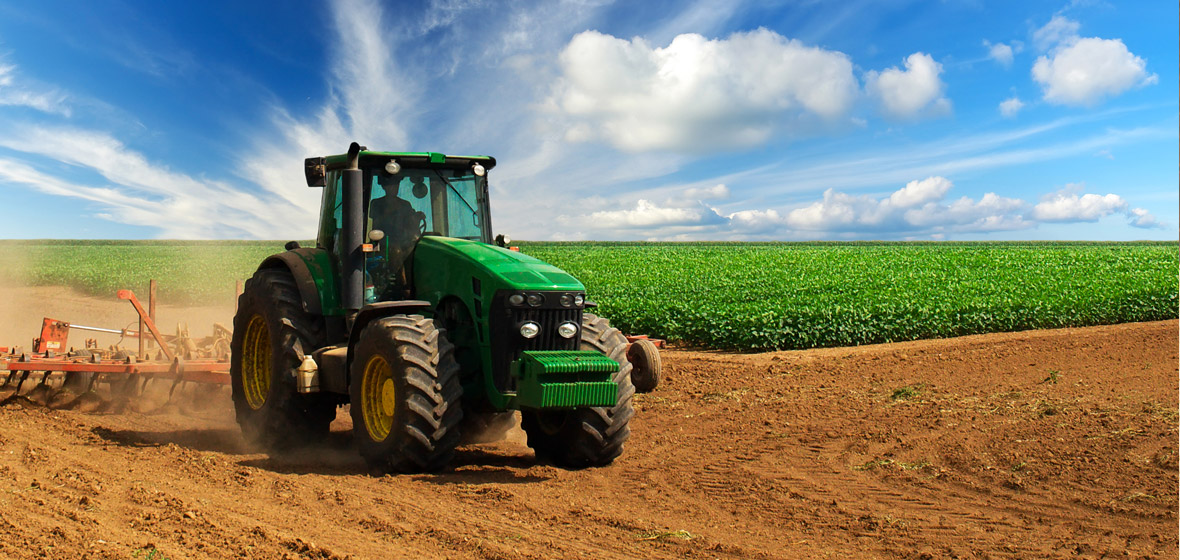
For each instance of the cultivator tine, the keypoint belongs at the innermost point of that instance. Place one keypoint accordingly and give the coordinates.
(15, 394)
(40, 393)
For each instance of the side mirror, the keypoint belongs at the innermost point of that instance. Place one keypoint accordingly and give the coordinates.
(315, 169)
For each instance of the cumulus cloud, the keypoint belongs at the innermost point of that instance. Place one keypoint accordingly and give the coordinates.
(920, 192)
(647, 214)
(916, 206)
(1083, 71)
(921, 209)
(716, 192)
(1070, 205)
(1141, 218)
(1009, 107)
(697, 93)
(912, 92)
(1002, 53)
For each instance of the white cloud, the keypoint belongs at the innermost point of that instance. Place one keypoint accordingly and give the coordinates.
(716, 192)
(1002, 53)
(17, 95)
(1141, 218)
(912, 92)
(1083, 71)
(756, 221)
(990, 213)
(140, 192)
(1060, 29)
(920, 192)
(696, 93)
(647, 214)
(1009, 107)
(1068, 205)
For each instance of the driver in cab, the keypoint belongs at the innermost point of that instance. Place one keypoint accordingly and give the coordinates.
(402, 224)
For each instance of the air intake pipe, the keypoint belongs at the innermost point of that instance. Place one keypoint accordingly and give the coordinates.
(352, 231)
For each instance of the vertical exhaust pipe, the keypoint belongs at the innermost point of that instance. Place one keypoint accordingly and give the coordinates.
(353, 289)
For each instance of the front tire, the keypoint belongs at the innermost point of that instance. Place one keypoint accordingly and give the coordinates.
(406, 396)
(271, 335)
(588, 436)
(646, 367)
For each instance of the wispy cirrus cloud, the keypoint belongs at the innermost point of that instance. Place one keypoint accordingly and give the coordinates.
(17, 94)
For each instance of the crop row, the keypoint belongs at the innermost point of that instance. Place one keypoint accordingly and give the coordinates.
(784, 296)
(737, 296)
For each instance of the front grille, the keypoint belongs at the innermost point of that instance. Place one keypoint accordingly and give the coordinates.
(507, 343)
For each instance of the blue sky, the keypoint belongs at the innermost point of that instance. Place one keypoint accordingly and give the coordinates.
(611, 120)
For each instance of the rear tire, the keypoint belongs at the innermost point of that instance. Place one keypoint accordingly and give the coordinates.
(406, 396)
(272, 333)
(646, 367)
(589, 436)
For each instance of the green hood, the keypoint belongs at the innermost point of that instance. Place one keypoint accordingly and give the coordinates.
(499, 267)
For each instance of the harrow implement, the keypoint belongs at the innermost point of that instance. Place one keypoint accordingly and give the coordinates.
(114, 379)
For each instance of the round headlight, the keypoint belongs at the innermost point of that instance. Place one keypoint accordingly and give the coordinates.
(567, 300)
(567, 330)
(579, 300)
(530, 329)
(516, 299)
(535, 300)
(478, 169)
(393, 168)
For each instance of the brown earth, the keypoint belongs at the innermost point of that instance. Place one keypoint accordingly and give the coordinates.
(1047, 444)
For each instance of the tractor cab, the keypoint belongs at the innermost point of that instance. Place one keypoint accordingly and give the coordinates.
(404, 196)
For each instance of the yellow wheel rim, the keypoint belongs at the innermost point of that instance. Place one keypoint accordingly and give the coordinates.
(378, 398)
(256, 362)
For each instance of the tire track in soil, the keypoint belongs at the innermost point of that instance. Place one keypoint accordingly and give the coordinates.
(782, 455)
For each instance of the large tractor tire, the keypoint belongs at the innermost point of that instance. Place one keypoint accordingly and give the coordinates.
(272, 333)
(405, 394)
(646, 367)
(591, 436)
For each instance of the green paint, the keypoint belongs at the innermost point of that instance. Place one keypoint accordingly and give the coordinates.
(565, 379)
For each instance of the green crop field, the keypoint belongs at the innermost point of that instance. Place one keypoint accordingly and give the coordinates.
(736, 296)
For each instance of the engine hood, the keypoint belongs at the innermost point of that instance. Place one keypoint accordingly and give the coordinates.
(503, 268)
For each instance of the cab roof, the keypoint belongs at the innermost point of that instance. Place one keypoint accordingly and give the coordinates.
(410, 159)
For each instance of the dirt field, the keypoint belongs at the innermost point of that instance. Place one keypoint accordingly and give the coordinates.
(1048, 444)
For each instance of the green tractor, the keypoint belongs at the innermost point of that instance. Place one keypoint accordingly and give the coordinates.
(413, 314)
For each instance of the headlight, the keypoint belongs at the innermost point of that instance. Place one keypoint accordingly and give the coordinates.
(535, 300)
(567, 300)
(530, 329)
(579, 300)
(516, 299)
(567, 330)
(392, 167)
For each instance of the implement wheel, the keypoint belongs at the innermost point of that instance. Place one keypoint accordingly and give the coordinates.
(406, 399)
(589, 436)
(646, 368)
(271, 335)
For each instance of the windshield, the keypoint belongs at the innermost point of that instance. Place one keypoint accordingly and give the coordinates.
(441, 202)
(426, 202)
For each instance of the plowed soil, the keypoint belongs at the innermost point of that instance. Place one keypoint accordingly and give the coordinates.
(1047, 444)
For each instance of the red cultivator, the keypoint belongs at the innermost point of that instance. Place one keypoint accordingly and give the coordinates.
(112, 379)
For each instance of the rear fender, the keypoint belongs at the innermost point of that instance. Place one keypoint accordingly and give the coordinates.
(314, 275)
